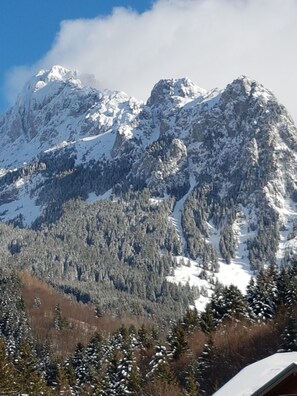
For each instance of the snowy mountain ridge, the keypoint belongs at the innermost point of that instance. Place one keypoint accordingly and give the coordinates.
(227, 157)
(55, 107)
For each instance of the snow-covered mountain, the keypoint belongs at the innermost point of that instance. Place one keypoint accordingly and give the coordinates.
(55, 110)
(228, 158)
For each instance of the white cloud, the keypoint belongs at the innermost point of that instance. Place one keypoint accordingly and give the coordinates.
(210, 41)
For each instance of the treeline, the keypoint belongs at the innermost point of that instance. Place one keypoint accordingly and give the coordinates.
(194, 355)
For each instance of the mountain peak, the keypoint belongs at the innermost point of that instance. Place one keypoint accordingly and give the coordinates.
(166, 89)
(241, 85)
(246, 86)
(47, 84)
(57, 73)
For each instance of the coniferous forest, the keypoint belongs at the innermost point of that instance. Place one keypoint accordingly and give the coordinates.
(53, 345)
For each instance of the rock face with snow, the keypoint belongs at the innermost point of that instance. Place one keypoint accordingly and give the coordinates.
(54, 110)
(228, 158)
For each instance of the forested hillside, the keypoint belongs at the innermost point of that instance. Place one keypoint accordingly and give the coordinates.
(194, 355)
(116, 254)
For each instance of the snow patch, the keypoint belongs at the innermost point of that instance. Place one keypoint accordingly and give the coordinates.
(59, 146)
(189, 272)
(158, 200)
(94, 197)
(23, 206)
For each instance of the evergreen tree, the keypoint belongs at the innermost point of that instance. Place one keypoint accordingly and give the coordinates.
(283, 286)
(63, 386)
(9, 381)
(79, 364)
(30, 379)
(159, 362)
(192, 385)
(95, 353)
(48, 365)
(128, 375)
(207, 320)
(164, 373)
(122, 375)
(262, 294)
(191, 319)
(177, 340)
(289, 335)
(235, 306)
(206, 363)
(111, 380)
(227, 303)
(287, 285)
(144, 337)
(68, 371)
(14, 327)
(58, 317)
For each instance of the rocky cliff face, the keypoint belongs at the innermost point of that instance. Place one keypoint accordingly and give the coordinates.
(228, 158)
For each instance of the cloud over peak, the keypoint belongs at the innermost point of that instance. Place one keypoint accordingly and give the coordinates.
(210, 41)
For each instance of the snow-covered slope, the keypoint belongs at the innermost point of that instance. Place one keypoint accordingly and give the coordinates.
(227, 157)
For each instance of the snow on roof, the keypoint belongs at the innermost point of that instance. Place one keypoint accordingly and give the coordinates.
(256, 375)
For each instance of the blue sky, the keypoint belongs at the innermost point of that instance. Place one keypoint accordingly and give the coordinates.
(212, 42)
(28, 27)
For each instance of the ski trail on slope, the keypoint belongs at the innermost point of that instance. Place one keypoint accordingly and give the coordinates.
(176, 215)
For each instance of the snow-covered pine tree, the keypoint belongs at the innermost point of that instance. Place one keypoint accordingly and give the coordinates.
(190, 319)
(207, 320)
(145, 337)
(262, 294)
(96, 351)
(227, 303)
(14, 327)
(287, 285)
(30, 379)
(79, 363)
(63, 387)
(47, 363)
(122, 373)
(192, 384)
(9, 383)
(159, 366)
(206, 362)
(235, 305)
(289, 335)
(283, 284)
(177, 340)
